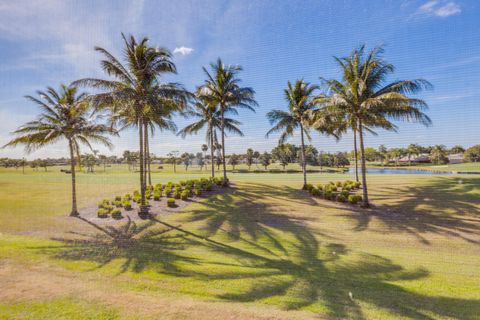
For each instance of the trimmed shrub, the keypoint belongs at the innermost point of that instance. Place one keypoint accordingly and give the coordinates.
(184, 195)
(156, 195)
(328, 195)
(171, 202)
(127, 197)
(102, 213)
(127, 205)
(341, 198)
(116, 213)
(354, 199)
(308, 187)
(319, 187)
(316, 192)
(118, 198)
(176, 194)
(118, 203)
(197, 192)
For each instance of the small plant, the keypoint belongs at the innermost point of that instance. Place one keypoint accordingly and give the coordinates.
(116, 213)
(127, 197)
(102, 213)
(176, 194)
(171, 202)
(118, 203)
(127, 205)
(328, 195)
(308, 187)
(354, 199)
(339, 184)
(156, 195)
(118, 198)
(319, 187)
(341, 198)
(197, 192)
(316, 192)
(184, 195)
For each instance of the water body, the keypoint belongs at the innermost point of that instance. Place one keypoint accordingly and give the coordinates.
(401, 171)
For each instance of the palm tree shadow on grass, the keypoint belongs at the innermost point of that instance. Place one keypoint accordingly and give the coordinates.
(424, 211)
(294, 270)
(140, 246)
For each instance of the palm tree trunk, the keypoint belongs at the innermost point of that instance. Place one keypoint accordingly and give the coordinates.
(364, 166)
(304, 167)
(147, 157)
(212, 152)
(225, 179)
(355, 153)
(143, 208)
(74, 212)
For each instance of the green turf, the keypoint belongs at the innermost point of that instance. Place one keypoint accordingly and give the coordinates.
(264, 244)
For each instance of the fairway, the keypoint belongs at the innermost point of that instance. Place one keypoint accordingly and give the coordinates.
(262, 250)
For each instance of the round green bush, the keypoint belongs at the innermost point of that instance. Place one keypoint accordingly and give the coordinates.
(102, 213)
(341, 198)
(127, 205)
(184, 195)
(171, 202)
(116, 213)
(176, 194)
(316, 192)
(354, 199)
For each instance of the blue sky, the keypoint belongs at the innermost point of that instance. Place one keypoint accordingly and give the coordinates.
(45, 43)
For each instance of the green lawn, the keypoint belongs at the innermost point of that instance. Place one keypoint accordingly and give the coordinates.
(264, 250)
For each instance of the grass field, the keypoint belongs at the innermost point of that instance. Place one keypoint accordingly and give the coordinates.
(263, 250)
(457, 167)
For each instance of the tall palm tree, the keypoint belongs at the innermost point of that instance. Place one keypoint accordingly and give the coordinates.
(365, 99)
(222, 88)
(207, 114)
(136, 97)
(301, 102)
(66, 114)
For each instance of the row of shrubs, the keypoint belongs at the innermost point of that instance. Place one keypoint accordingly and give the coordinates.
(182, 190)
(340, 191)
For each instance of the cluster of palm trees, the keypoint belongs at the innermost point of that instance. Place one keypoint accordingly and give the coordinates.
(134, 96)
(361, 101)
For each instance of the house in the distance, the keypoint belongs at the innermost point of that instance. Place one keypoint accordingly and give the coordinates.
(455, 158)
(419, 158)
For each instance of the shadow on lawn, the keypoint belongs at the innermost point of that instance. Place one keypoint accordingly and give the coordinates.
(281, 259)
(424, 210)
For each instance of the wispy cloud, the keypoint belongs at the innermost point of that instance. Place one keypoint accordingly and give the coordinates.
(183, 50)
(439, 8)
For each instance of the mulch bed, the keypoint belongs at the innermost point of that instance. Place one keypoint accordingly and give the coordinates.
(156, 207)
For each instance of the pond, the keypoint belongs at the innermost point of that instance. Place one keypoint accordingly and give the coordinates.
(401, 171)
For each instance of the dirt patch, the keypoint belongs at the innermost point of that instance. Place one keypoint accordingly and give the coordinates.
(157, 208)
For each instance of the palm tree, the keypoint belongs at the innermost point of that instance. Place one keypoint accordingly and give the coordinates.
(65, 115)
(365, 99)
(210, 116)
(136, 97)
(301, 102)
(412, 150)
(222, 88)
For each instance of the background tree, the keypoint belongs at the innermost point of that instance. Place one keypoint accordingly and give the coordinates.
(64, 115)
(233, 160)
(438, 154)
(172, 155)
(249, 158)
(300, 102)
(456, 149)
(265, 159)
(364, 98)
(472, 154)
(209, 116)
(222, 88)
(412, 150)
(284, 154)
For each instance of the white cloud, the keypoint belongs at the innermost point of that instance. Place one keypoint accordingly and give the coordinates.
(183, 50)
(440, 8)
